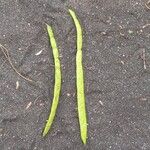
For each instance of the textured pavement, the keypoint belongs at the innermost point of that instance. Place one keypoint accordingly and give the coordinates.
(116, 58)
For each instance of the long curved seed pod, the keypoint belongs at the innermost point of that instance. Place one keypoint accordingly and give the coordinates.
(57, 86)
(80, 80)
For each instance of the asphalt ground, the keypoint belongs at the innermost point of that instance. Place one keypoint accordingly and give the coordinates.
(116, 59)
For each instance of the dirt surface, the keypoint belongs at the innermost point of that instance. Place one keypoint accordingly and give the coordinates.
(116, 58)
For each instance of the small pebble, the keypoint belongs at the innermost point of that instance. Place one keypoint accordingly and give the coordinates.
(130, 32)
(17, 85)
(68, 94)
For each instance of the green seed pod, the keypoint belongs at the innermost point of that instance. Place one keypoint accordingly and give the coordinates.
(80, 80)
(57, 86)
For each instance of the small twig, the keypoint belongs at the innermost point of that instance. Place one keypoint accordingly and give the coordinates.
(146, 25)
(144, 58)
(6, 53)
(29, 104)
(147, 5)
